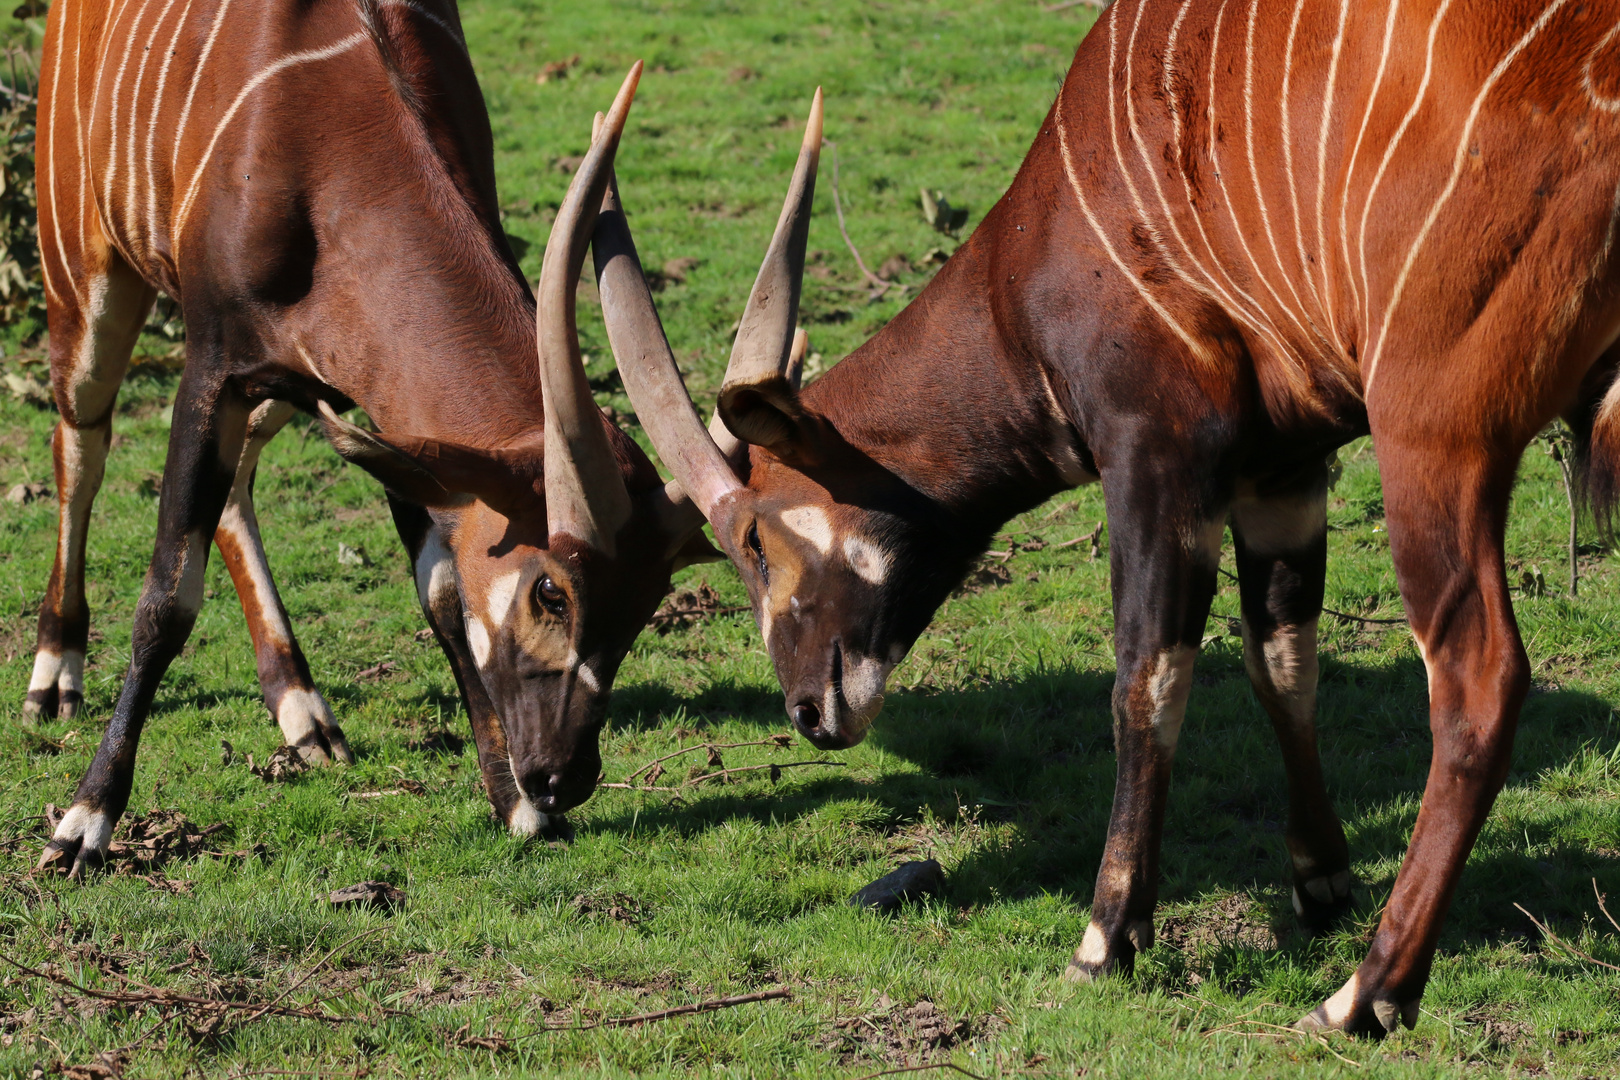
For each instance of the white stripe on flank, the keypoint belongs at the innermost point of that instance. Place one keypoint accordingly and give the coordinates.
(78, 126)
(1602, 101)
(56, 212)
(1321, 170)
(1195, 346)
(1238, 228)
(132, 216)
(1254, 168)
(113, 130)
(95, 102)
(309, 56)
(1255, 320)
(151, 127)
(191, 92)
(1288, 144)
(1355, 155)
(1459, 162)
(1389, 151)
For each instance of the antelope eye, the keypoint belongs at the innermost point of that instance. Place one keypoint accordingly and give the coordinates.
(551, 597)
(759, 554)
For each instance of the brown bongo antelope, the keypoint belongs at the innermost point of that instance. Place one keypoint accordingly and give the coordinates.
(313, 183)
(1248, 231)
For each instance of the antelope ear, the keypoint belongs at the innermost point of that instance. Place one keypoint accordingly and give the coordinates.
(767, 413)
(439, 475)
(697, 549)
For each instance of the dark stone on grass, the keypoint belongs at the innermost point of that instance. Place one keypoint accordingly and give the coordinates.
(377, 894)
(908, 885)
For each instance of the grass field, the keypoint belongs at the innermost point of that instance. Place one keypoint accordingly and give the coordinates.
(994, 754)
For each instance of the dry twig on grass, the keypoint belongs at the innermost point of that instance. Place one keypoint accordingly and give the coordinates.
(938, 1066)
(1579, 954)
(650, 773)
(712, 1005)
(204, 1016)
(879, 285)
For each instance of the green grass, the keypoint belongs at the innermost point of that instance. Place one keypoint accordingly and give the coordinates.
(993, 756)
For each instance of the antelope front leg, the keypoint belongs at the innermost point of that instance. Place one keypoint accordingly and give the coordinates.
(1163, 568)
(1447, 513)
(441, 604)
(301, 712)
(210, 426)
(1281, 540)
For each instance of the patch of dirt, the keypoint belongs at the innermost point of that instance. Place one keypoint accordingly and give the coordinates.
(1234, 920)
(906, 1035)
(688, 607)
(146, 843)
(620, 907)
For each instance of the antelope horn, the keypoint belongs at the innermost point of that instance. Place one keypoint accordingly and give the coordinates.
(762, 353)
(651, 378)
(585, 493)
(765, 346)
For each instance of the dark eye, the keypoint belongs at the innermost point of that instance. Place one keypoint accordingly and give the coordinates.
(759, 554)
(552, 598)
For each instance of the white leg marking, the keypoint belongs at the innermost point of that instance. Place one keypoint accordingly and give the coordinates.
(501, 593)
(1093, 947)
(812, 524)
(1459, 162)
(71, 678)
(47, 666)
(1284, 669)
(301, 713)
(870, 562)
(90, 827)
(1168, 688)
(1338, 1007)
(478, 639)
(188, 586)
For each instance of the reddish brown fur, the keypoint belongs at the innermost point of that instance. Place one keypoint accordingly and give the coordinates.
(314, 184)
(1170, 296)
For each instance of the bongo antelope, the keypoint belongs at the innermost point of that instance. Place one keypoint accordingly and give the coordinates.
(1248, 231)
(313, 183)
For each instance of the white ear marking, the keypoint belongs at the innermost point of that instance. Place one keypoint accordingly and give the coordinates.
(811, 523)
(501, 593)
(870, 562)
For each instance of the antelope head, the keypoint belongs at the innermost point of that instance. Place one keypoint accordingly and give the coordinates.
(554, 551)
(842, 558)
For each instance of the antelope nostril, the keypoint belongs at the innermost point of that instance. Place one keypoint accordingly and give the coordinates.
(548, 798)
(806, 717)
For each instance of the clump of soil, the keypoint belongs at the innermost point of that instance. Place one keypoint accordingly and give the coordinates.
(1235, 920)
(688, 607)
(917, 1034)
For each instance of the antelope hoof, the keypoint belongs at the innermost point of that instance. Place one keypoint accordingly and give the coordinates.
(41, 704)
(313, 751)
(69, 704)
(1321, 903)
(1097, 959)
(338, 746)
(80, 844)
(1367, 1017)
(58, 857)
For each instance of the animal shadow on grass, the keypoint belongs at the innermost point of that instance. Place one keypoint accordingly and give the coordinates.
(1037, 752)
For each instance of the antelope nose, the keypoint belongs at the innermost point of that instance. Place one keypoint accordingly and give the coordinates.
(548, 798)
(807, 718)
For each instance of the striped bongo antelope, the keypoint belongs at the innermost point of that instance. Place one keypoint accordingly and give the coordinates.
(313, 182)
(1248, 231)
